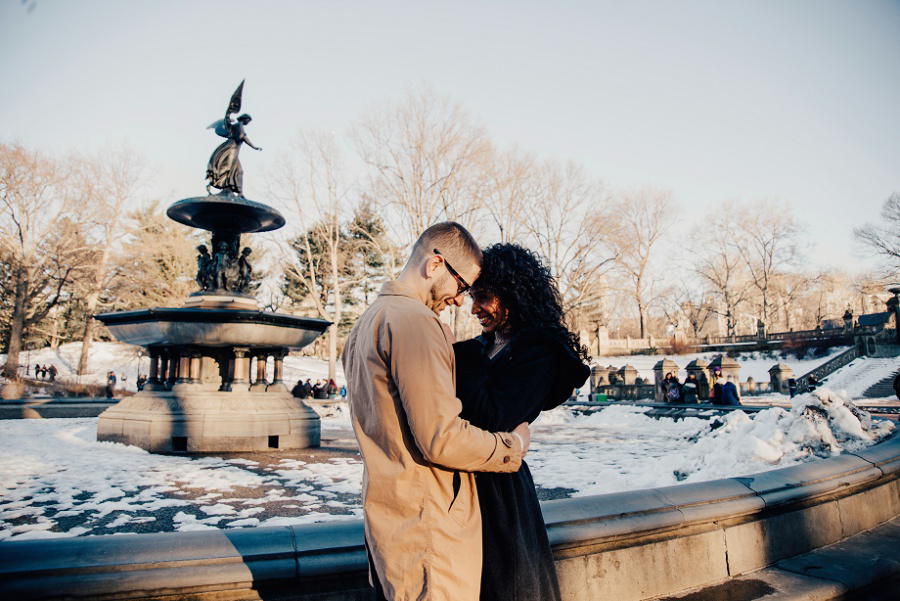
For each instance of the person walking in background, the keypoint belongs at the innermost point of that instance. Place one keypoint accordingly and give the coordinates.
(52, 371)
(730, 394)
(422, 524)
(689, 390)
(792, 386)
(673, 390)
(110, 384)
(299, 391)
(718, 381)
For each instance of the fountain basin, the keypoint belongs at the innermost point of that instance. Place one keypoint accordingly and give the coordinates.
(212, 327)
(226, 212)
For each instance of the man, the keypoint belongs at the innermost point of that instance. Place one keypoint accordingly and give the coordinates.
(422, 523)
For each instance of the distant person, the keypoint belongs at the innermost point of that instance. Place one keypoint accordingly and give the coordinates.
(141, 382)
(673, 393)
(299, 391)
(52, 371)
(124, 379)
(792, 386)
(110, 384)
(43, 372)
(689, 389)
(718, 381)
(331, 389)
(897, 385)
(308, 386)
(811, 382)
(37, 370)
(343, 392)
(730, 393)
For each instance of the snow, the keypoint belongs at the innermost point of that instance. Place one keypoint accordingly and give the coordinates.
(57, 480)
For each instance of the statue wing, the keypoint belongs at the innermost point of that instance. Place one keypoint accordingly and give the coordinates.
(222, 128)
(235, 104)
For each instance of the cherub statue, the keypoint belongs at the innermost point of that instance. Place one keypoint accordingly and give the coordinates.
(224, 170)
(204, 261)
(244, 270)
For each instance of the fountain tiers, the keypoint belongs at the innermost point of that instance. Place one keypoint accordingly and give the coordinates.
(199, 396)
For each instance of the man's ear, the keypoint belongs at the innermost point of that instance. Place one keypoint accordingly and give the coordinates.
(432, 266)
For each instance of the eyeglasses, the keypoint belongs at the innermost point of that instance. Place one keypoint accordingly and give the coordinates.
(462, 286)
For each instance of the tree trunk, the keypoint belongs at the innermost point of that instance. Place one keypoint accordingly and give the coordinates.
(91, 306)
(17, 327)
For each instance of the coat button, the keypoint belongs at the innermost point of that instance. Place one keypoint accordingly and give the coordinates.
(506, 459)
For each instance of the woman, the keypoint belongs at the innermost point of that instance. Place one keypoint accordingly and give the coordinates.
(689, 390)
(224, 169)
(526, 361)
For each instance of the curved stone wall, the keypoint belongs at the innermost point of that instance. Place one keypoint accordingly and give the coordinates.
(624, 546)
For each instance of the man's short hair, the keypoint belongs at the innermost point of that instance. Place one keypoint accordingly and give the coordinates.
(452, 240)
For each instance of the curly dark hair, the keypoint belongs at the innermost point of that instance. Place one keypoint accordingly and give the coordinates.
(525, 286)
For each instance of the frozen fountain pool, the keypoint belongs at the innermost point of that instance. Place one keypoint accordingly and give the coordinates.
(56, 480)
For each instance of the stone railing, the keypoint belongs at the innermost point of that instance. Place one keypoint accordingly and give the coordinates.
(828, 368)
(626, 546)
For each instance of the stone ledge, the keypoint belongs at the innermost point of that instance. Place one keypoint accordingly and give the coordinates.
(627, 546)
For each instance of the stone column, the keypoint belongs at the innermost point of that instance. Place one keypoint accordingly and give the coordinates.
(260, 382)
(173, 367)
(153, 378)
(278, 377)
(163, 366)
(699, 368)
(196, 373)
(184, 368)
(240, 381)
(779, 374)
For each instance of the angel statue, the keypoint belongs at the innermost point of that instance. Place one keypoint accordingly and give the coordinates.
(224, 170)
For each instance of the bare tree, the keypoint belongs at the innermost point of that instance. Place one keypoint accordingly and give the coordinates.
(883, 238)
(719, 264)
(157, 262)
(108, 183)
(509, 184)
(41, 237)
(568, 221)
(642, 216)
(768, 238)
(425, 157)
(318, 270)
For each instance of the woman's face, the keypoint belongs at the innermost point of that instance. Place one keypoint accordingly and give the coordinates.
(489, 310)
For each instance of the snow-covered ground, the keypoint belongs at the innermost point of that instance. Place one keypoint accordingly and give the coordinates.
(57, 480)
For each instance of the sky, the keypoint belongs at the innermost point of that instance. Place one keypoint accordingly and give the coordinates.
(794, 101)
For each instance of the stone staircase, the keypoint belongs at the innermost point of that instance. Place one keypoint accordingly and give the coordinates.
(882, 389)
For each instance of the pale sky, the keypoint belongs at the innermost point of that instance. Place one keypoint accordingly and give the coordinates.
(795, 100)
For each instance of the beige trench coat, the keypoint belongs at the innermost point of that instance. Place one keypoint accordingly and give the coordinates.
(422, 522)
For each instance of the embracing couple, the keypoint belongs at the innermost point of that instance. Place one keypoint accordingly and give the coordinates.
(451, 511)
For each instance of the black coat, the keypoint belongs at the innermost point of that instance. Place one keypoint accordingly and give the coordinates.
(535, 372)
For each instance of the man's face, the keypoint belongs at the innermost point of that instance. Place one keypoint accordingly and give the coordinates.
(444, 291)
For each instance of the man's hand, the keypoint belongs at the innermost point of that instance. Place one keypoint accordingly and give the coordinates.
(525, 434)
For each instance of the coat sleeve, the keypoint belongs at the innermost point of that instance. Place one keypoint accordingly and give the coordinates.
(421, 365)
(518, 394)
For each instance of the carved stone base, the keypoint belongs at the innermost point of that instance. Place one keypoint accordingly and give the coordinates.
(202, 421)
(223, 300)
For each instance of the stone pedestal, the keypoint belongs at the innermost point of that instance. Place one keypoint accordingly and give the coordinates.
(779, 374)
(193, 420)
